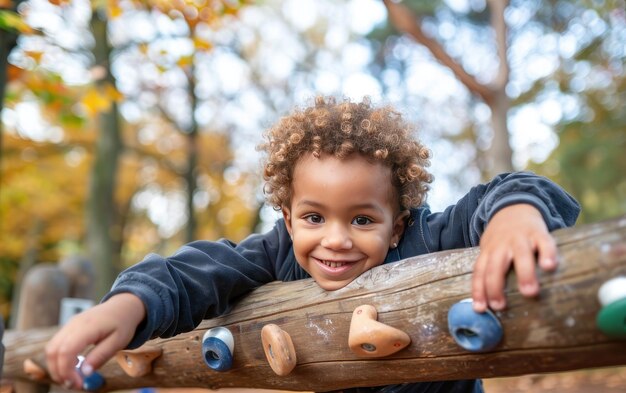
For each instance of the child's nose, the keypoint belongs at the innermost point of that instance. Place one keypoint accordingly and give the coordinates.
(336, 238)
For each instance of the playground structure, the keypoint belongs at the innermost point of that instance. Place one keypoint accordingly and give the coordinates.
(394, 324)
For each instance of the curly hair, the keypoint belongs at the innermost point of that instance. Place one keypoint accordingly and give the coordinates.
(341, 129)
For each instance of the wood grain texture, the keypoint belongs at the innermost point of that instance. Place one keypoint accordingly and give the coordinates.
(554, 332)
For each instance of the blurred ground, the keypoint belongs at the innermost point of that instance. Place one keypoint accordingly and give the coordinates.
(606, 380)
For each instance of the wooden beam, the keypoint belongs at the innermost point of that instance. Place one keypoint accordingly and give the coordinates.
(554, 332)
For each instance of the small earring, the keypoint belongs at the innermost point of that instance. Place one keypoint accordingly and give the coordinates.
(394, 245)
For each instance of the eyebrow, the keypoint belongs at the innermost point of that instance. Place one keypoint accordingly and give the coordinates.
(362, 206)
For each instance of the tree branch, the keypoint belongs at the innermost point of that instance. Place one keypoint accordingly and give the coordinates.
(405, 21)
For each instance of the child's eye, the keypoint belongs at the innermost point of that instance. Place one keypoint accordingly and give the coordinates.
(361, 220)
(314, 219)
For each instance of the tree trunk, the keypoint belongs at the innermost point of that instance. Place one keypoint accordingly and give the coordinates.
(103, 232)
(555, 332)
(8, 40)
(499, 155)
(192, 159)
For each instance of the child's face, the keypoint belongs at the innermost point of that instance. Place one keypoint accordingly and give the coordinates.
(343, 218)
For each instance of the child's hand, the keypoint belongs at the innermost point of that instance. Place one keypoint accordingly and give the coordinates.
(109, 327)
(515, 235)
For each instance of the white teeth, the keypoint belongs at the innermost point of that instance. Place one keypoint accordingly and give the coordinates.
(333, 264)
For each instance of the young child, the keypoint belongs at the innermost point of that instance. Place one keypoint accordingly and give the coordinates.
(350, 181)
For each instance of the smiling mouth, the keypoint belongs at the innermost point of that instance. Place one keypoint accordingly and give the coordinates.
(334, 264)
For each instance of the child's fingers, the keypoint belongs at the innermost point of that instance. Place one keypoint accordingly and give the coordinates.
(499, 264)
(102, 352)
(61, 357)
(524, 261)
(547, 253)
(479, 297)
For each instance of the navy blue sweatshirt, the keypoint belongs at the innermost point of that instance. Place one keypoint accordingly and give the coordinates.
(203, 279)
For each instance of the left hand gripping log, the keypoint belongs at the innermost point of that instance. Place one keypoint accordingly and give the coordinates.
(557, 331)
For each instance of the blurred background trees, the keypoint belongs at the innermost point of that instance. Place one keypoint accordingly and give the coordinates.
(130, 126)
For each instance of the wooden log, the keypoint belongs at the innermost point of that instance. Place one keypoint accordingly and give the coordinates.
(554, 332)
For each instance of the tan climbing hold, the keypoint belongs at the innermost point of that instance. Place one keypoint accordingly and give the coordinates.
(138, 362)
(34, 370)
(279, 349)
(370, 338)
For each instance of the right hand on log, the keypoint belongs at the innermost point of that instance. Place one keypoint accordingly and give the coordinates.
(109, 327)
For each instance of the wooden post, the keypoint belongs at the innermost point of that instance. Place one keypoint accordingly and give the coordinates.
(1, 344)
(42, 290)
(81, 275)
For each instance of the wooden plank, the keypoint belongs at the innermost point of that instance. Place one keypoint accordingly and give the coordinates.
(554, 332)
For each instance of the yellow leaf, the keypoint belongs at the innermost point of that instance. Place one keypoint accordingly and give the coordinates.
(113, 9)
(201, 44)
(185, 61)
(112, 93)
(35, 55)
(95, 102)
(12, 20)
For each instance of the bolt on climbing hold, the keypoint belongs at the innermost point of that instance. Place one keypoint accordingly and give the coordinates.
(218, 345)
(279, 349)
(370, 338)
(611, 319)
(138, 362)
(475, 332)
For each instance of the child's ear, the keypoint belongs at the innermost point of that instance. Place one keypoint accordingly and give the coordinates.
(399, 224)
(287, 217)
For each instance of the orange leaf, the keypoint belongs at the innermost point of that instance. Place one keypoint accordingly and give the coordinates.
(13, 72)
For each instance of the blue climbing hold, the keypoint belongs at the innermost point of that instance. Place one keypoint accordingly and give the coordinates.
(91, 382)
(217, 348)
(476, 332)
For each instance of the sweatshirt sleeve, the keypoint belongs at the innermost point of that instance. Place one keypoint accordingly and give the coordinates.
(201, 280)
(461, 225)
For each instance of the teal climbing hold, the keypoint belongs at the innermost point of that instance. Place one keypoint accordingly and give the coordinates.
(611, 319)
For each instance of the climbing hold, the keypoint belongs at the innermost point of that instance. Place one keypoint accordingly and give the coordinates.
(34, 370)
(611, 319)
(370, 338)
(91, 382)
(473, 331)
(279, 349)
(138, 362)
(217, 348)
